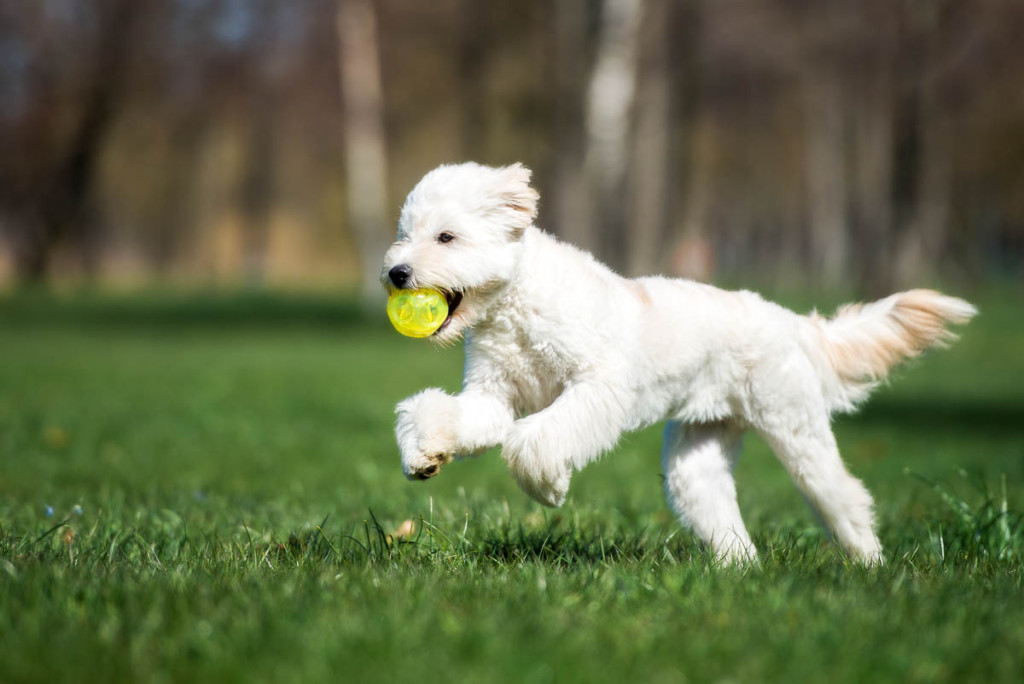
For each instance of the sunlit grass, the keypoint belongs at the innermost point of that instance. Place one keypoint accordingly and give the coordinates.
(217, 498)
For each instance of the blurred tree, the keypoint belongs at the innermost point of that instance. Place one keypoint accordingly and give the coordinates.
(365, 154)
(570, 215)
(473, 24)
(825, 125)
(609, 111)
(256, 190)
(649, 166)
(691, 255)
(874, 102)
(941, 39)
(54, 197)
(863, 145)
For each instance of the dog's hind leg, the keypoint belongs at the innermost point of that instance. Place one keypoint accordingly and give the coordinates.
(698, 462)
(807, 448)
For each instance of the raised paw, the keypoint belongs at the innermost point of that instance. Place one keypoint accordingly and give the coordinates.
(431, 466)
(549, 492)
(541, 474)
(425, 433)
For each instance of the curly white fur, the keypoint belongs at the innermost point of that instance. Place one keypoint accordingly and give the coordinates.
(563, 356)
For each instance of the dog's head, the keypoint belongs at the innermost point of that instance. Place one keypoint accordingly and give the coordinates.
(459, 233)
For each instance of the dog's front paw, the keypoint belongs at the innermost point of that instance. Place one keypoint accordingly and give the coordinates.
(425, 431)
(541, 474)
(550, 492)
(423, 466)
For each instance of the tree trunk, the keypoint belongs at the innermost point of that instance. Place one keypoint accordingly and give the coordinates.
(365, 152)
(874, 113)
(256, 199)
(692, 256)
(874, 183)
(609, 110)
(473, 18)
(649, 178)
(825, 173)
(571, 208)
(924, 239)
(177, 195)
(65, 205)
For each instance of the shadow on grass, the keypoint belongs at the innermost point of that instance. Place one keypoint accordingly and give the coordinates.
(177, 311)
(944, 414)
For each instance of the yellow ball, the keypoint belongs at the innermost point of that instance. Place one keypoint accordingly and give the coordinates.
(417, 313)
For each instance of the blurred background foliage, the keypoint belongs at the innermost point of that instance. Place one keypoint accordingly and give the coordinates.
(269, 143)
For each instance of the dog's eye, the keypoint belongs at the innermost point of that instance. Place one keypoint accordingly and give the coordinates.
(445, 237)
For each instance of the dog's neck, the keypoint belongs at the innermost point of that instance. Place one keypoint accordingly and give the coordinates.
(504, 298)
(498, 294)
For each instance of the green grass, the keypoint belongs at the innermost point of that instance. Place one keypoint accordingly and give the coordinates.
(224, 487)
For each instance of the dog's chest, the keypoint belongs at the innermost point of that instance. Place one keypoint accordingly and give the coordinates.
(535, 369)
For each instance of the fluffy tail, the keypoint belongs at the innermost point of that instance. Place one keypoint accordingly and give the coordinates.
(862, 342)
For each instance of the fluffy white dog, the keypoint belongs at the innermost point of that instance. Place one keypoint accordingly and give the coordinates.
(563, 355)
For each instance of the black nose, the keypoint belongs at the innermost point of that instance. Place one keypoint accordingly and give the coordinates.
(400, 275)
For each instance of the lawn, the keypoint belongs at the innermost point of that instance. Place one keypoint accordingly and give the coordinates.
(208, 490)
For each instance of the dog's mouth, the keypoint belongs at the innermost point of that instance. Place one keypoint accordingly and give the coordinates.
(454, 299)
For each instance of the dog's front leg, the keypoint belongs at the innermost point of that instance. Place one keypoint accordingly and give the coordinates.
(434, 427)
(543, 449)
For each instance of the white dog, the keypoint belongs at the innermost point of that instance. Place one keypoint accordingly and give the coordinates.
(563, 355)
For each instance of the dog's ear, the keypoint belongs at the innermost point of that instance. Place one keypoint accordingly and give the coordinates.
(517, 201)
